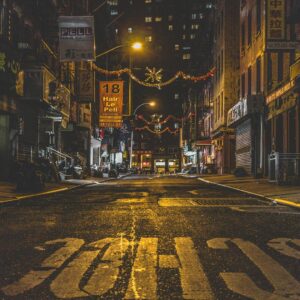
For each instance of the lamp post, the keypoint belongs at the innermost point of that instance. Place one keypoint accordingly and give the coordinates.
(152, 103)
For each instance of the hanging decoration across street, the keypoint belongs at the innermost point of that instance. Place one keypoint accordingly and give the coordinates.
(153, 75)
(160, 84)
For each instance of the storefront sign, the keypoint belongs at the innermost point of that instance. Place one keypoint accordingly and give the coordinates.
(281, 105)
(76, 38)
(237, 112)
(279, 92)
(86, 85)
(285, 45)
(275, 19)
(111, 104)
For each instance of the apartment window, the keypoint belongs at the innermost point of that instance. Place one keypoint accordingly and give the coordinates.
(269, 71)
(221, 62)
(186, 56)
(280, 66)
(258, 16)
(158, 19)
(249, 80)
(194, 16)
(183, 36)
(243, 85)
(193, 36)
(170, 27)
(129, 30)
(170, 18)
(249, 27)
(222, 104)
(148, 38)
(258, 75)
(2, 18)
(243, 36)
(195, 26)
(176, 47)
(148, 1)
(113, 12)
(148, 19)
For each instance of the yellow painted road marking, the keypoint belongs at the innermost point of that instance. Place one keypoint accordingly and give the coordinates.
(194, 282)
(143, 280)
(36, 277)
(195, 192)
(281, 245)
(106, 273)
(169, 202)
(131, 200)
(66, 284)
(285, 285)
(168, 261)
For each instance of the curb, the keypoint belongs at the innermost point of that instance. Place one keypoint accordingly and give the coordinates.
(56, 191)
(278, 200)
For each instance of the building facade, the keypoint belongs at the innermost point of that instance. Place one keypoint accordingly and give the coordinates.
(225, 84)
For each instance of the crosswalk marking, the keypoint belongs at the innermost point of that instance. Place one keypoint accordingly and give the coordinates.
(106, 273)
(185, 202)
(195, 285)
(66, 284)
(284, 284)
(282, 246)
(95, 269)
(36, 277)
(143, 280)
(168, 261)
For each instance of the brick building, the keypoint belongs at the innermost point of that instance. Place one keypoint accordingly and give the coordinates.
(225, 84)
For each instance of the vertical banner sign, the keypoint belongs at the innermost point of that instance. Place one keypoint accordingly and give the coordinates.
(276, 19)
(111, 104)
(86, 85)
(76, 38)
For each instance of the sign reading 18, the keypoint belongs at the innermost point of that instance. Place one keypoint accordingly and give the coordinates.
(112, 88)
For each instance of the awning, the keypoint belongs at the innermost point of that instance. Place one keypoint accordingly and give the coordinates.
(203, 142)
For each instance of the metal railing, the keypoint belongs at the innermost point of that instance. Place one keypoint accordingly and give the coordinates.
(284, 167)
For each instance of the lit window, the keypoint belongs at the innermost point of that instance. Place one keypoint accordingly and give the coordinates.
(148, 38)
(183, 37)
(183, 26)
(170, 27)
(186, 56)
(176, 47)
(195, 26)
(158, 19)
(148, 19)
(193, 36)
(176, 96)
(148, 1)
(130, 30)
(194, 16)
(116, 30)
(170, 17)
(113, 12)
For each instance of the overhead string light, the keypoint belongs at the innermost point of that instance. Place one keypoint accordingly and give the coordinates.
(158, 85)
(167, 129)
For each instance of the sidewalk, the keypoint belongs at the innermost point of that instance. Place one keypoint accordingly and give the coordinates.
(287, 195)
(8, 191)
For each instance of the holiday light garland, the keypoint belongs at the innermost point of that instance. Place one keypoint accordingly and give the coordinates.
(167, 129)
(159, 85)
(141, 117)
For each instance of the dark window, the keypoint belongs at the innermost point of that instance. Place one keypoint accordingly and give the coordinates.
(258, 15)
(249, 28)
(249, 80)
(280, 66)
(258, 75)
(243, 83)
(269, 71)
(243, 37)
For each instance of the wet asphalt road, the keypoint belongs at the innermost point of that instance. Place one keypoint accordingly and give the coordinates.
(149, 238)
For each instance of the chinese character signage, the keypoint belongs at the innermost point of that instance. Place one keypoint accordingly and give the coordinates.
(111, 104)
(276, 19)
(86, 85)
(76, 38)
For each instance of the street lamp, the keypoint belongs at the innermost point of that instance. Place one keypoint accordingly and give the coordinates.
(136, 46)
(152, 103)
